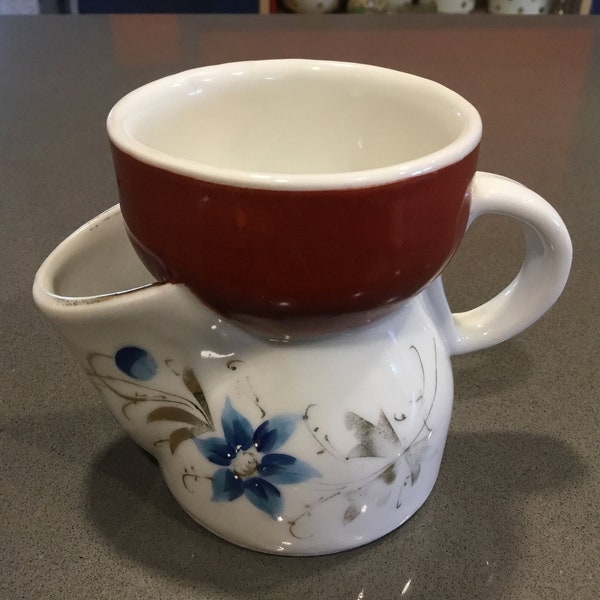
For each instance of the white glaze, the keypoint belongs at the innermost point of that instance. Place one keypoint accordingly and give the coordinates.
(381, 125)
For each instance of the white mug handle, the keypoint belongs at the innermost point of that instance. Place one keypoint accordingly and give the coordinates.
(537, 286)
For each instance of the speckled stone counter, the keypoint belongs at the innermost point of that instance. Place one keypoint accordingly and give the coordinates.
(516, 511)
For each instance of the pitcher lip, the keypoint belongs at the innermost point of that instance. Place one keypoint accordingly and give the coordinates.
(44, 288)
(87, 300)
(461, 146)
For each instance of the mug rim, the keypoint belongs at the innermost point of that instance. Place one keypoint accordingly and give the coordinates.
(467, 140)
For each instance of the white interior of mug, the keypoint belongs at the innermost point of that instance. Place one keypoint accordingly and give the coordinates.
(295, 123)
(95, 261)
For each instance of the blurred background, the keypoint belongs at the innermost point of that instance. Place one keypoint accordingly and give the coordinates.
(531, 7)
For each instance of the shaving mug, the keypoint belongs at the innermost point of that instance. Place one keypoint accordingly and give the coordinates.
(264, 311)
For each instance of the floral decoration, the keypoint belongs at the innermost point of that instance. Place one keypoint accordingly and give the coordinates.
(250, 467)
(248, 458)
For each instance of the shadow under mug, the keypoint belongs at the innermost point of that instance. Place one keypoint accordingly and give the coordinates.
(295, 196)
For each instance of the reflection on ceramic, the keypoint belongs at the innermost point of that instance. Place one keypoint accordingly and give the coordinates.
(455, 6)
(519, 7)
(283, 345)
(312, 6)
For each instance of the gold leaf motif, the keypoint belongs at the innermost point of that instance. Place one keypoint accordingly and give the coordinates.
(178, 436)
(172, 413)
(193, 386)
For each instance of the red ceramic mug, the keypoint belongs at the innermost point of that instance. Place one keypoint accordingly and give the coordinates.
(295, 194)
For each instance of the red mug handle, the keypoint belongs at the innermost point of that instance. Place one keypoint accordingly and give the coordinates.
(538, 284)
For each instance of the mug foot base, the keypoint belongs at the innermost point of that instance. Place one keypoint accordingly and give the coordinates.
(310, 547)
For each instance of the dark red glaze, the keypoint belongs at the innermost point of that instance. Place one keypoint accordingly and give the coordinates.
(287, 254)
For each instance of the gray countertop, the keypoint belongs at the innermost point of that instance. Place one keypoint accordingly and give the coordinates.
(516, 511)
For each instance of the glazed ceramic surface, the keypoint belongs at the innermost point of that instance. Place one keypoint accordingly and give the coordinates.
(303, 447)
(319, 426)
(272, 218)
(295, 448)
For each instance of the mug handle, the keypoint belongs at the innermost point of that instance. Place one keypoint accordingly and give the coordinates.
(538, 284)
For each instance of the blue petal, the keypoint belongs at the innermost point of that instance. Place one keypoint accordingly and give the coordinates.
(226, 486)
(217, 450)
(136, 363)
(264, 437)
(273, 433)
(283, 468)
(264, 495)
(237, 429)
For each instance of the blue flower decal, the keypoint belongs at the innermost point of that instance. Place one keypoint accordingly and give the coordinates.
(251, 468)
(136, 363)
